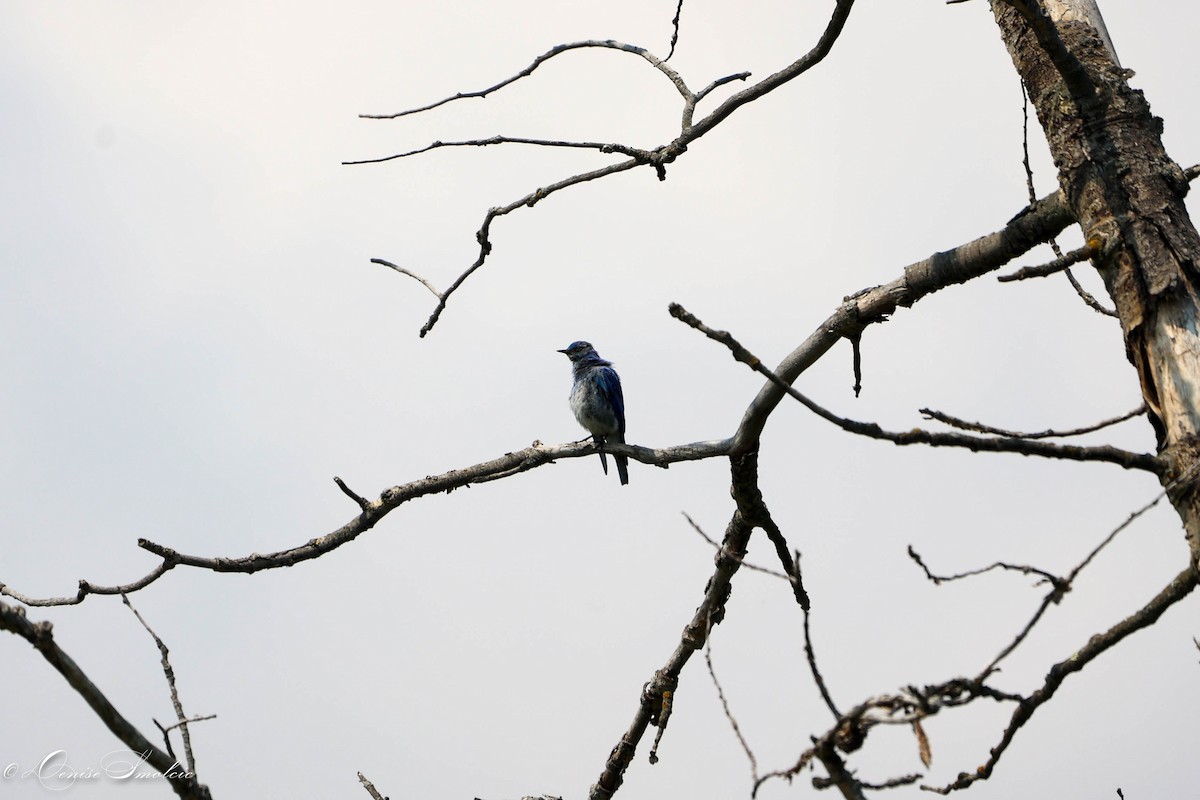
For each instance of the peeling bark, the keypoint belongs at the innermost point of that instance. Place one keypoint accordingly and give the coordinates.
(1127, 195)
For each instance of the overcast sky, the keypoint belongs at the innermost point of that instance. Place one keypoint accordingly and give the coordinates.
(194, 342)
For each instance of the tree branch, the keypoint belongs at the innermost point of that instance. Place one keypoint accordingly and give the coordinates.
(657, 694)
(657, 157)
(1113, 455)
(1180, 587)
(979, 427)
(1035, 224)
(182, 723)
(1057, 265)
(509, 464)
(40, 635)
(557, 50)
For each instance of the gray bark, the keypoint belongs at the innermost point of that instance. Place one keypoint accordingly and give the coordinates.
(1127, 195)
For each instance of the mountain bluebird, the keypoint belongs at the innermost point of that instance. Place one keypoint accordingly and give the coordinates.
(597, 401)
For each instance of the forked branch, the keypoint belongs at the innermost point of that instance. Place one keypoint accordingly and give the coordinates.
(657, 157)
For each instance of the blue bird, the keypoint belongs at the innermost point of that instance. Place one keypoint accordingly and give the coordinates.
(597, 401)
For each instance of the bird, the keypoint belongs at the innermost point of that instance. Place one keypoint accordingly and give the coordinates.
(597, 401)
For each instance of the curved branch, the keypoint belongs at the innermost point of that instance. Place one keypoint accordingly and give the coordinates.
(815, 56)
(485, 244)
(603, 147)
(1034, 225)
(557, 50)
(1027, 447)
(979, 427)
(373, 511)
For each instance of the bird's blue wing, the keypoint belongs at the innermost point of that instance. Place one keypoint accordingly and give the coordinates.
(610, 387)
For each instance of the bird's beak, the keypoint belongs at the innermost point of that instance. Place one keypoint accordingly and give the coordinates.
(564, 352)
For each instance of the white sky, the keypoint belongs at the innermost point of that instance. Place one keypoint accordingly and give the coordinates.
(194, 342)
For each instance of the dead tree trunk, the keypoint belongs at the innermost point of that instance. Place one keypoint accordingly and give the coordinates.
(1127, 195)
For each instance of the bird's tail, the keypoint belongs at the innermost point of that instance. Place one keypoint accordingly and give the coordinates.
(622, 468)
(604, 462)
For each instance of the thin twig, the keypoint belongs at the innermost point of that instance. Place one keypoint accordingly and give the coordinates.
(979, 427)
(811, 654)
(938, 580)
(1083, 294)
(1057, 265)
(537, 62)
(411, 274)
(170, 674)
(742, 561)
(601, 147)
(737, 76)
(363, 503)
(737, 731)
(1089, 300)
(675, 30)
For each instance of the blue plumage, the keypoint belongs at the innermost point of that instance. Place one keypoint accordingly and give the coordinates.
(598, 402)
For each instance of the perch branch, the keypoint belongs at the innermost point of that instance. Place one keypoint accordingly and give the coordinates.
(509, 464)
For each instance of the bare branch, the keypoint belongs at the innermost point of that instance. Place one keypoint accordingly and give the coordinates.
(170, 675)
(529, 200)
(815, 56)
(40, 635)
(675, 30)
(188, 721)
(743, 562)
(602, 147)
(1084, 295)
(509, 464)
(1112, 455)
(86, 588)
(656, 694)
(979, 427)
(1057, 265)
(1179, 588)
(737, 76)
(537, 62)
(903, 708)
(1089, 300)
(363, 503)
(938, 580)
(810, 654)
(737, 731)
(370, 787)
(657, 158)
(1032, 226)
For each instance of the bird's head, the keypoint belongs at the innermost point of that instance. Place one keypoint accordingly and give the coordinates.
(578, 350)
